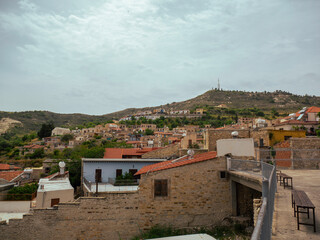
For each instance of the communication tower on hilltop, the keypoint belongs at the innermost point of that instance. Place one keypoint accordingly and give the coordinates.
(218, 84)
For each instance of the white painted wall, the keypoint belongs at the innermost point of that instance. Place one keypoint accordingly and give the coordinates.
(236, 146)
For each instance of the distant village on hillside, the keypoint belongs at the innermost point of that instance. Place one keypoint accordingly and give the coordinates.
(124, 178)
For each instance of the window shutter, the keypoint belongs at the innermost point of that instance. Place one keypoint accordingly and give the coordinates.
(164, 188)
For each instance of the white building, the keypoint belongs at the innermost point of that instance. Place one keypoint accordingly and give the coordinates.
(60, 131)
(54, 189)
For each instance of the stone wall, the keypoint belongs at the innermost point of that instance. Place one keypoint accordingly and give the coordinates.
(167, 152)
(305, 153)
(112, 217)
(214, 135)
(257, 203)
(183, 152)
(245, 197)
(196, 196)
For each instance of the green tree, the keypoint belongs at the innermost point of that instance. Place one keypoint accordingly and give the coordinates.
(66, 138)
(148, 132)
(46, 130)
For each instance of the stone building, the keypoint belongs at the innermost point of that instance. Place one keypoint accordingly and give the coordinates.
(185, 192)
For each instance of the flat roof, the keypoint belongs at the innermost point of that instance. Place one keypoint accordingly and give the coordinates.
(122, 160)
(54, 185)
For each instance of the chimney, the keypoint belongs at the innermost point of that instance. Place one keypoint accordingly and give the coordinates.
(234, 134)
(190, 154)
(62, 165)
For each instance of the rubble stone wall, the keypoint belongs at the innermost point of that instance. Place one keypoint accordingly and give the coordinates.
(112, 217)
(197, 196)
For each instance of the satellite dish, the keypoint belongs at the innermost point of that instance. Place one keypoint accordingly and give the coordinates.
(62, 164)
(190, 152)
(235, 134)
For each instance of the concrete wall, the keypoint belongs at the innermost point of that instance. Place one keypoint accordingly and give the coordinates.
(236, 146)
(197, 196)
(109, 168)
(113, 217)
(44, 198)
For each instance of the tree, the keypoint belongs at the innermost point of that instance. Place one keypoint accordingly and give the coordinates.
(148, 132)
(66, 138)
(46, 130)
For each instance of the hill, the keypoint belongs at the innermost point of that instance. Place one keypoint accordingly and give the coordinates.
(283, 102)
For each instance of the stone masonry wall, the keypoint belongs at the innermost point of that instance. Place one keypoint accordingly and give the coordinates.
(305, 153)
(245, 204)
(196, 196)
(166, 152)
(215, 135)
(112, 217)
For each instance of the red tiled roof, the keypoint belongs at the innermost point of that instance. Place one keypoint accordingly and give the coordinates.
(119, 152)
(4, 166)
(33, 146)
(295, 122)
(313, 109)
(177, 163)
(10, 175)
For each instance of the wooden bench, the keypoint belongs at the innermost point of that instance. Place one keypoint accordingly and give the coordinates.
(278, 172)
(284, 179)
(301, 201)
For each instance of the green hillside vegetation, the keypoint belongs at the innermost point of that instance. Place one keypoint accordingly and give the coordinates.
(238, 103)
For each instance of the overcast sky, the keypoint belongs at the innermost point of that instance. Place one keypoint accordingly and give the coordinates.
(97, 57)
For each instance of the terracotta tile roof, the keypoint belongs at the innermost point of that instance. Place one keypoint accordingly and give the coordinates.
(10, 175)
(295, 122)
(33, 146)
(177, 163)
(313, 109)
(4, 166)
(120, 152)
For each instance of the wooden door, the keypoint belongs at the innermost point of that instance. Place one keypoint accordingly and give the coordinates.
(55, 201)
(98, 175)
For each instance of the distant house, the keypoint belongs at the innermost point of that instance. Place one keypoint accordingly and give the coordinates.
(119, 153)
(60, 131)
(106, 170)
(6, 167)
(54, 189)
(11, 176)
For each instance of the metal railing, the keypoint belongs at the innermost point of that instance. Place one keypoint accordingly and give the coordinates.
(88, 183)
(267, 172)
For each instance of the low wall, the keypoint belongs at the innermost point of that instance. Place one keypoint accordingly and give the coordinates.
(15, 206)
(112, 217)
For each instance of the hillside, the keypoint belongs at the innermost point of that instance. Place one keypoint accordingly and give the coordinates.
(283, 102)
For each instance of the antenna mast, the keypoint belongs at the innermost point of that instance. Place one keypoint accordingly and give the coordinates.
(218, 84)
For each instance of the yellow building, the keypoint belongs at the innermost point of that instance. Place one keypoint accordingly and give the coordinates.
(276, 136)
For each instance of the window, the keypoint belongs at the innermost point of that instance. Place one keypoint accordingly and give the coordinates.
(161, 188)
(118, 172)
(287, 137)
(223, 174)
(133, 171)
